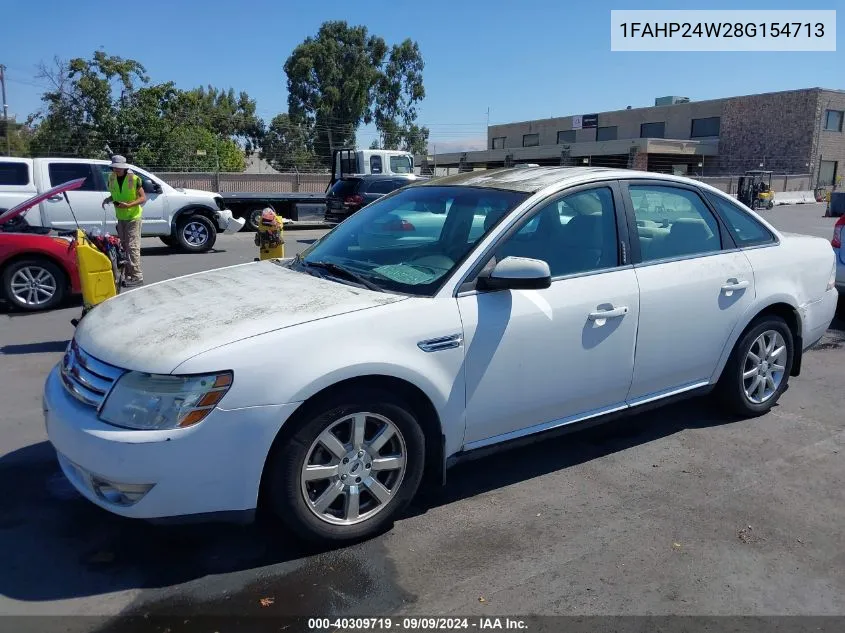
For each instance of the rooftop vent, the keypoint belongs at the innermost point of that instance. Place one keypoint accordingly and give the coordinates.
(664, 101)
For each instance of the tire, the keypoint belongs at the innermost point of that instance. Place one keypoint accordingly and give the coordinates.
(50, 279)
(294, 501)
(732, 384)
(196, 233)
(168, 240)
(252, 218)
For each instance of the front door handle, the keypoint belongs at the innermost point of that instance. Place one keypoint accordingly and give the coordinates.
(55, 198)
(733, 284)
(613, 313)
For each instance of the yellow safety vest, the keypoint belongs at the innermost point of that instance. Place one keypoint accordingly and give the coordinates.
(127, 193)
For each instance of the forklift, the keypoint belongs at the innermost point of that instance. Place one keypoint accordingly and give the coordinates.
(754, 190)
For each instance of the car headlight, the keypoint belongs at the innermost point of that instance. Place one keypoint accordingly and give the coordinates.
(157, 402)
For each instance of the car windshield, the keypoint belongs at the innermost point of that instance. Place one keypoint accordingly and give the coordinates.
(411, 241)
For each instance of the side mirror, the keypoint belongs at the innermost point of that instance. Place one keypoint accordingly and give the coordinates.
(151, 187)
(516, 273)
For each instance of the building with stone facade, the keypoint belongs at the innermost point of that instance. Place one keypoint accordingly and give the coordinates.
(790, 132)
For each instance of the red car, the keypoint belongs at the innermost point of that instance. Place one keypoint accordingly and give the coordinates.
(37, 265)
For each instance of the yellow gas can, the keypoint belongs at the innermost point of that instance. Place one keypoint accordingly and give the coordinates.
(96, 274)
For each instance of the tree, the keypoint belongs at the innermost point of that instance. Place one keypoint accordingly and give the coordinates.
(344, 77)
(106, 106)
(287, 145)
(399, 90)
(20, 137)
(81, 108)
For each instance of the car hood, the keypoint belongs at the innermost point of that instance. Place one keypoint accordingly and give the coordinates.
(158, 327)
(18, 210)
(195, 193)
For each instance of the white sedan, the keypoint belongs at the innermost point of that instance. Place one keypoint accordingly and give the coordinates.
(328, 388)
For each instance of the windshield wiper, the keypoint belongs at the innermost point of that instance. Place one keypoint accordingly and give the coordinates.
(340, 270)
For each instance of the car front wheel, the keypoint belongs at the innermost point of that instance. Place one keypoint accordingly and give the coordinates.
(34, 284)
(196, 234)
(351, 467)
(757, 371)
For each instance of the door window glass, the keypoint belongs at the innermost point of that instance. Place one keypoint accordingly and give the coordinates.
(375, 164)
(61, 173)
(14, 173)
(746, 230)
(400, 165)
(573, 234)
(673, 222)
(381, 186)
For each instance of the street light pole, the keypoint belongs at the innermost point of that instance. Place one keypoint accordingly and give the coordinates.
(5, 110)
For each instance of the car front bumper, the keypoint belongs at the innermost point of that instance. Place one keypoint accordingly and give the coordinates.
(214, 467)
(227, 223)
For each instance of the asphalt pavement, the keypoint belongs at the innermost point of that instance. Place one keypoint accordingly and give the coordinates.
(680, 510)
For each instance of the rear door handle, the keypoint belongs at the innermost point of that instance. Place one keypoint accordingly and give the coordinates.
(55, 198)
(614, 313)
(733, 284)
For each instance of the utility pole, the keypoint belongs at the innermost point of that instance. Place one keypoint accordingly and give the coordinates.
(5, 110)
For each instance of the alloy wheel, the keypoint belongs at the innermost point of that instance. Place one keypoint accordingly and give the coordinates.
(33, 286)
(195, 233)
(354, 468)
(764, 367)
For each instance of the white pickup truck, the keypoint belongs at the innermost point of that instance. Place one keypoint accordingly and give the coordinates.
(187, 218)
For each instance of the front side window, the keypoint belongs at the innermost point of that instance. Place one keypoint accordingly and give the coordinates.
(412, 240)
(401, 165)
(573, 234)
(746, 230)
(673, 222)
(530, 140)
(833, 120)
(375, 164)
(61, 173)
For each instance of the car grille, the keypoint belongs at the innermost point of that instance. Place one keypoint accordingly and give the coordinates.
(85, 378)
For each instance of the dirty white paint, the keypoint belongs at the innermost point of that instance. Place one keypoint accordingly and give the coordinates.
(156, 328)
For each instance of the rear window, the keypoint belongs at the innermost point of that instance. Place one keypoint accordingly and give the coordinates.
(60, 173)
(345, 187)
(382, 186)
(746, 230)
(14, 174)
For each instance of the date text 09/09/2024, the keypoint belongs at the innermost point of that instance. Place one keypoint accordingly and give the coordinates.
(417, 624)
(722, 29)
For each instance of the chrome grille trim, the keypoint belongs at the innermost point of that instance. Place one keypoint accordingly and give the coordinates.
(86, 378)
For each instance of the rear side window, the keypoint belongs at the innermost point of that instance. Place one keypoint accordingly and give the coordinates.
(382, 186)
(375, 164)
(14, 174)
(345, 187)
(400, 165)
(746, 230)
(61, 173)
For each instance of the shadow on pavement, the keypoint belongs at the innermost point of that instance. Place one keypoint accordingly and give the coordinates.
(45, 524)
(6, 308)
(34, 348)
(159, 251)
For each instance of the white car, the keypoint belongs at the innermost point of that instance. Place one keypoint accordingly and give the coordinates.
(328, 387)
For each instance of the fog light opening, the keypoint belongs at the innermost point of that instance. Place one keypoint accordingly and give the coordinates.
(119, 494)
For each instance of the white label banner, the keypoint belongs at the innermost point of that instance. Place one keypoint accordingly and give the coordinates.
(723, 30)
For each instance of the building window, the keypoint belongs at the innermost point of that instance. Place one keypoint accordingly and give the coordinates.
(608, 133)
(705, 127)
(566, 136)
(530, 140)
(827, 173)
(499, 142)
(653, 130)
(833, 120)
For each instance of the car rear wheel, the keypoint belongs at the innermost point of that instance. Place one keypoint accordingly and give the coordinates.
(196, 234)
(34, 284)
(757, 372)
(350, 468)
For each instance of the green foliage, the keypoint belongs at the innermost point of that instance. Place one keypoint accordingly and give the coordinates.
(18, 143)
(344, 77)
(287, 145)
(106, 106)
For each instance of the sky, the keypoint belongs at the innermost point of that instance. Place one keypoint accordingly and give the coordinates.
(521, 60)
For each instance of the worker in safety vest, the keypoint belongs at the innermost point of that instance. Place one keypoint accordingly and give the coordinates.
(127, 196)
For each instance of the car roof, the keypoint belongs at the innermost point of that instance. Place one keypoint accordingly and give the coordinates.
(534, 179)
